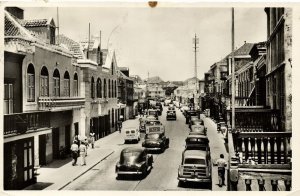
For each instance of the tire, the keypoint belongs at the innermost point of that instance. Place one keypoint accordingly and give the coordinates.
(180, 183)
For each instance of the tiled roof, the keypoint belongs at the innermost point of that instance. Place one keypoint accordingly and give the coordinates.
(35, 23)
(72, 45)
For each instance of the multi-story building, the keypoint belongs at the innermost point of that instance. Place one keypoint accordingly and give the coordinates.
(156, 91)
(125, 92)
(42, 100)
(99, 86)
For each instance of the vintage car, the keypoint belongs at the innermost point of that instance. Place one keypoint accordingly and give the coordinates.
(132, 134)
(153, 112)
(189, 114)
(195, 121)
(171, 107)
(195, 167)
(198, 130)
(222, 127)
(171, 115)
(156, 142)
(197, 142)
(167, 102)
(134, 160)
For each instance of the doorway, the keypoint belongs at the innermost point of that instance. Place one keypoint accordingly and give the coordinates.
(55, 143)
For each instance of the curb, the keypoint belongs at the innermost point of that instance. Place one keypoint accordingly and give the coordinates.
(85, 171)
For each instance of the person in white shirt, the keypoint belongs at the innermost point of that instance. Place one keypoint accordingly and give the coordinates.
(221, 169)
(82, 151)
(74, 149)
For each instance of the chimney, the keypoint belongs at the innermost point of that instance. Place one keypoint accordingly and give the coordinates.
(15, 11)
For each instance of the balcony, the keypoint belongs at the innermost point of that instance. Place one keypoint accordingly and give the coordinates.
(260, 150)
(20, 123)
(60, 103)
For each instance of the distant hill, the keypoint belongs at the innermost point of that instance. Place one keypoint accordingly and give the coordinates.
(155, 80)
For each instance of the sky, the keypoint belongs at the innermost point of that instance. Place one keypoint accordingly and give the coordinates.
(159, 40)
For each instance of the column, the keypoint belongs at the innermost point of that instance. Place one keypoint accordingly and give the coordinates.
(36, 151)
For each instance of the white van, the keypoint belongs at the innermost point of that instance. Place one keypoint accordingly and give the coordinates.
(132, 134)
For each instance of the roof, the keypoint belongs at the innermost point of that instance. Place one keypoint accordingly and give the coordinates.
(38, 23)
(72, 45)
(195, 153)
(191, 79)
(133, 149)
(241, 51)
(93, 44)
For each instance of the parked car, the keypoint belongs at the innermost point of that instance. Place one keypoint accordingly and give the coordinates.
(156, 141)
(222, 127)
(132, 134)
(198, 130)
(197, 142)
(171, 115)
(195, 167)
(134, 161)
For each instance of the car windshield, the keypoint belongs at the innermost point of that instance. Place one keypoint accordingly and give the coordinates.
(153, 122)
(198, 129)
(152, 136)
(130, 157)
(194, 161)
(197, 122)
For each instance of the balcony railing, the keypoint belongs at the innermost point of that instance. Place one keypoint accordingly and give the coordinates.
(60, 103)
(21, 122)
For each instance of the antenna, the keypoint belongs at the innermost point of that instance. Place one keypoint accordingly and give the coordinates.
(57, 18)
(88, 46)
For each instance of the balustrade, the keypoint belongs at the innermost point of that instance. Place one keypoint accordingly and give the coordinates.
(21, 122)
(267, 184)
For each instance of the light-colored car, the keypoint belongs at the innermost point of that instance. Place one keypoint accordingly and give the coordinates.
(132, 134)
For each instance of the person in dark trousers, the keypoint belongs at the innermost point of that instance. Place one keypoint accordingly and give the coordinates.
(74, 150)
(221, 163)
(92, 138)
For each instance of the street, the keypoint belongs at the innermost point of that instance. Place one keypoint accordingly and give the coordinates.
(163, 175)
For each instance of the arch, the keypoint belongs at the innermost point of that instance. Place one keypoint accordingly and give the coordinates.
(44, 82)
(30, 83)
(56, 83)
(92, 88)
(75, 84)
(67, 84)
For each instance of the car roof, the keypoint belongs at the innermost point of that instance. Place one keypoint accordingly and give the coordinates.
(197, 136)
(133, 149)
(195, 153)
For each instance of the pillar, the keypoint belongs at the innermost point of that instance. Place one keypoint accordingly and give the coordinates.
(274, 184)
(36, 150)
(261, 184)
(248, 184)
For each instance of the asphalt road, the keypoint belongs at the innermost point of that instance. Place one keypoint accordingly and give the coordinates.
(163, 175)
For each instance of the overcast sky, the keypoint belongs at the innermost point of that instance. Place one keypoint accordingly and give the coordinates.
(159, 40)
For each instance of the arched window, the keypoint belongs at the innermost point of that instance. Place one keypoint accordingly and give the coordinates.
(99, 88)
(56, 83)
(44, 81)
(105, 89)
(67, 84)
(30, 83)
(92, 88)
(109, 88)
(112, 89)
(115, 88)
(75, 86)
(113, 117)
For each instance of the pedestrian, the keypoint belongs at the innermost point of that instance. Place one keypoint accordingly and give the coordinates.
(82, 151)
(92, 138)
(74, 151)
(76, 139)
(221, 163)
(86, 143)
(119, 126)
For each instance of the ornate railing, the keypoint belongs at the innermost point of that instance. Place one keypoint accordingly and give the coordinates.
(21, 122)
(56, 103)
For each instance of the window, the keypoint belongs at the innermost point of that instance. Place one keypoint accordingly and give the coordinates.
(92, 88)
(44, 81)
(8, 105)
(109, 88)
(115, 88)
(30, 83)
(75, 85)
(56, 83)
(112, 88)
(67, 84)
(99, 88)
(105, 89)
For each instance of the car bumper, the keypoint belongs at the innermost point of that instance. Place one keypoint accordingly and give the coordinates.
(153, 148)
(129, 172)
(194, 179)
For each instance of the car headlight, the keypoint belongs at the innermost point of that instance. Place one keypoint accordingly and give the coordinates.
(180, 170)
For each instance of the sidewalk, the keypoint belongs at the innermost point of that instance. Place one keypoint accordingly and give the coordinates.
(60, 173)
(217, 147)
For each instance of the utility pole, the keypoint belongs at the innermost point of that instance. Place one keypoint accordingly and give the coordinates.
(195, 47)
(232, 76)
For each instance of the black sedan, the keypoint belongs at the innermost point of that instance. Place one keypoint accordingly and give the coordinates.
(156, 141)
(134, 161)
(171, 115)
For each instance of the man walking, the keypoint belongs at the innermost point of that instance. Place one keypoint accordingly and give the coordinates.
(82, 151)
(92, 138)
(74, 150)
(221, 163)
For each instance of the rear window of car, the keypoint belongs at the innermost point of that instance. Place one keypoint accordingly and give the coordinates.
(132, 131)
(195, 161)
(127, 132)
